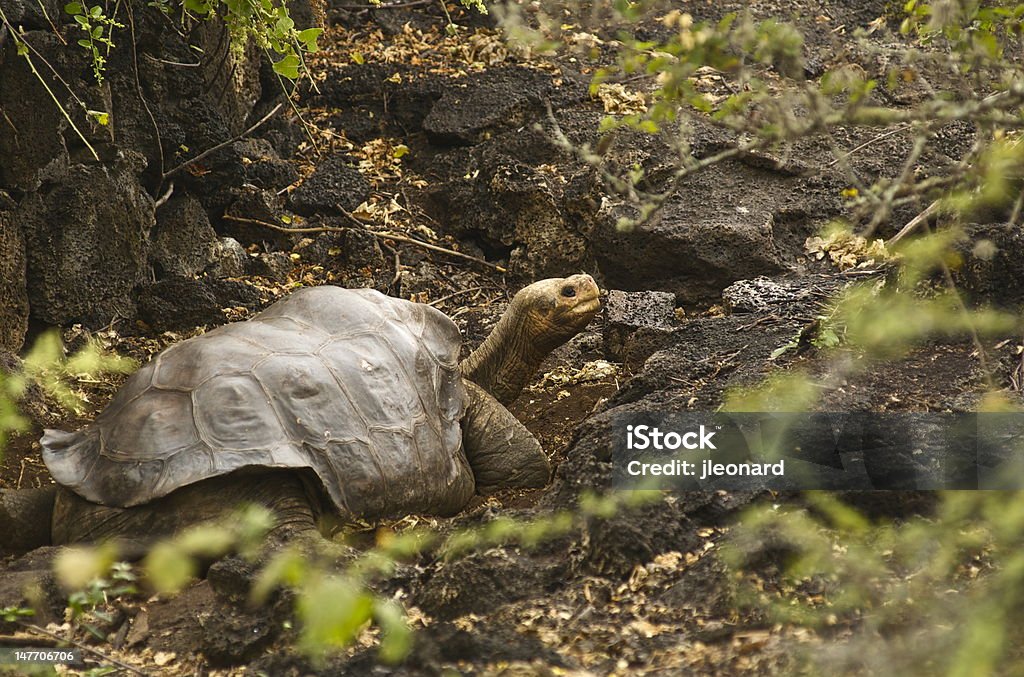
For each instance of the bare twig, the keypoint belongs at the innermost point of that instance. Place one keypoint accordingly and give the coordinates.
(396, 5)
(389, 236)
(1015, 214)
(84, 647)
(173, 63)
(867, 143)
(56, 102)
(913, 224)
(165, 197)
(223, 144)
(969, 322)
(138, 89)
(441, 300)
(884, 208)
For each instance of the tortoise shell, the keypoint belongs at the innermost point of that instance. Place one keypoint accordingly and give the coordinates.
(360, 388)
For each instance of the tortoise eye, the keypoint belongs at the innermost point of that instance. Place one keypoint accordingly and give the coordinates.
(568, 292)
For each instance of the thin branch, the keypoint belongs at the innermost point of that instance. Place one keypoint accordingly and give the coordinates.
(50, 21)
(53, 96)
(295, 109)
(846, 156)
(138, 88)
(165, 197)
(223, 144)
(975, 339)
(1015, 214)
(389, 236)
(397, 5)
(885, 205)
(913, 224)
(173, 63)
(454, 294)
(84, 647)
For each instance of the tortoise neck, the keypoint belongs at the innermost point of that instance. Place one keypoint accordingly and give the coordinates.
(507, 360)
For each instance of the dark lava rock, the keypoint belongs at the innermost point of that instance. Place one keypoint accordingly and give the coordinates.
(232, 577)
(491, 643)
(29, 15)
(762, 293)
(13, 292)
(273, 266)
(471, 108)
(256, 205)
(231, 259)
(183, 303)
(354, 254)
(483, 581)
(86, 235)
(634, 536)
(705, 587)
(635, 322)
(35, 589)
(237, 637)
(514, 209)
(184, 242)
(334, 182)
(993, 268)
(736, 220)
(369, 102)
(35, 502)
(261, 165)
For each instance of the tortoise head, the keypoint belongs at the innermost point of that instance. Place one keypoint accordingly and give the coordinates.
(552, 311)
(540, 318)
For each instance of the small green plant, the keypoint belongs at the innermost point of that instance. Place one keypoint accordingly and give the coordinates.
(98, 29)
(87, 603)
(13, 614)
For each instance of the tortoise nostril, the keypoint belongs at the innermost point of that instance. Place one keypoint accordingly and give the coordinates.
(568, 291)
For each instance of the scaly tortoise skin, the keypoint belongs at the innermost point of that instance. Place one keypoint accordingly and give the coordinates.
(338, 394)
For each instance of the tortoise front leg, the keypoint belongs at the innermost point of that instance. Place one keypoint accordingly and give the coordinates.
(501, 451)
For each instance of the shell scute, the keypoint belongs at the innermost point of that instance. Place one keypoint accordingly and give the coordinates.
(372, 376)
(233, 412)
(203, 357)
(152, 427)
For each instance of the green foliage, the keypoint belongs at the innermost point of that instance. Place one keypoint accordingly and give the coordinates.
(98, 29)
(47, 366)
(172, 563)
(86, 604)
(945, 593)
(12, 614)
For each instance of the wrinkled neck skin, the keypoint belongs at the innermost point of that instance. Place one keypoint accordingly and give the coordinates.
(508, 359)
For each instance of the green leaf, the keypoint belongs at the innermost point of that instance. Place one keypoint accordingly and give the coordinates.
(396, 640)
(168, 567)
(85, 43)
(288, 67)
(333, 611)
(73, 8)
(309, 37)
(284, 25)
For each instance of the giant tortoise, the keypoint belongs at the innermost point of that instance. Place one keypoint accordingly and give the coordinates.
(330, 401)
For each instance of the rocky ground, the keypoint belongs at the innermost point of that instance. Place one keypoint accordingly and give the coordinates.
(422, 174)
